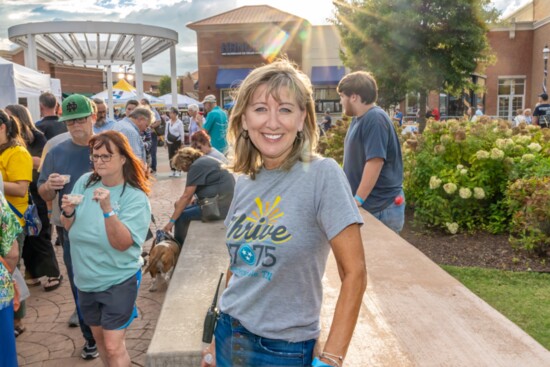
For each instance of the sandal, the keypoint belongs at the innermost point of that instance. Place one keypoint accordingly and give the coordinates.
(54, 283)
(18, 330)
(32, 282)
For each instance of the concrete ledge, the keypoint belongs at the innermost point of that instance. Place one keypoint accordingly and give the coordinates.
(177, 340)
(413, 314)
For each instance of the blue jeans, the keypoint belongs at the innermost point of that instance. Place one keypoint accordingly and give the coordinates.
(154, 144)
(393, 216)
(191, 212)
(8, 355)
(86, 331)
(236, 347)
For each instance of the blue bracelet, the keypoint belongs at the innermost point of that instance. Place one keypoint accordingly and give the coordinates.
(110, 214)
(172, 220)
(359, 199)
(318, 363)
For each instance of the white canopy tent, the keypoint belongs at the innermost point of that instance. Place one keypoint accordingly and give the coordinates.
(17, 81)
(183, 101)
(122, 92)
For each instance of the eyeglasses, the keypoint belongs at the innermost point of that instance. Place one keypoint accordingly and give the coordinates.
(104, 157)
(79, 121)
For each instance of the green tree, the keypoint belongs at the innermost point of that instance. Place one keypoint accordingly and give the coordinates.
(415, 45)
(165, 85)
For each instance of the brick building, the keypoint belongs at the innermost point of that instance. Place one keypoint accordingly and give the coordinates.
(516, 79)
(231, 44)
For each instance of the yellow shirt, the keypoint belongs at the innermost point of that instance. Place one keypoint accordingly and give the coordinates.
(16, 165)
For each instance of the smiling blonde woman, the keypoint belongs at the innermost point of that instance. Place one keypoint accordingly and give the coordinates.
(290, 208)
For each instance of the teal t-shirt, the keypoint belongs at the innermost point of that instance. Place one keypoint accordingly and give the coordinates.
(97, 265)
(216, 126)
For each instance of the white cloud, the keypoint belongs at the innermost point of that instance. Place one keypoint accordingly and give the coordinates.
(509, 6)
(172, 14)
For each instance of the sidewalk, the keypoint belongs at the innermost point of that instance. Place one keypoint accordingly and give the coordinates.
(49, 341)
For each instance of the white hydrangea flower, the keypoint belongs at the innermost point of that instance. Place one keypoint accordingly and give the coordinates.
(450, 188)
(497, 154)
(435, 182)
(527, 158)
(534, 147)
(508, 132)
(523, 139)
(465, 193)
(479, 193)
(452, 227)
(482, 154)
(463, 171)
(500, 143)
(459, 167)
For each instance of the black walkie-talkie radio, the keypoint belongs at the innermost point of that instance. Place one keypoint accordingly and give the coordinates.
(211, 317)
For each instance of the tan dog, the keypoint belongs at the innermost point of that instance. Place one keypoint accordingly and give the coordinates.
(162, 261)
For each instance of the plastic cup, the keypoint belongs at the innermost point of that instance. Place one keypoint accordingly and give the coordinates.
(66, 179)
(75, 199)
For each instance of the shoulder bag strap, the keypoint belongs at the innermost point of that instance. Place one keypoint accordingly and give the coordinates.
(13, 209)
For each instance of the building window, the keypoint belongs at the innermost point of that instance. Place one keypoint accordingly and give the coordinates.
(326, 99)
(511, 96)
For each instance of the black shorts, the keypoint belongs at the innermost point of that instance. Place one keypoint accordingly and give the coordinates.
(112, 309)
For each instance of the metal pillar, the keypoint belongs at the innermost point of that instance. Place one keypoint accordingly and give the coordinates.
(173, 76)
(31, 61)
(139, 66)
(110, 91)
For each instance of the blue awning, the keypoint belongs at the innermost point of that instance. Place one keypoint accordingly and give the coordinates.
(230, 78)
(327, 75)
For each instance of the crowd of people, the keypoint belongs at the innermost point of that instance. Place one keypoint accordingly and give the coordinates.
(285, 208)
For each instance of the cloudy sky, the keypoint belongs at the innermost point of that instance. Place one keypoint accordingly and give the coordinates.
(173, 14)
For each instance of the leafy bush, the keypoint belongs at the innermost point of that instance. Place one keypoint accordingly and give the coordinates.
(457, 173)
(331, 143)
(460, 175)
(529, 203)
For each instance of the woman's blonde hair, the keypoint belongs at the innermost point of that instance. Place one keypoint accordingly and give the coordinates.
(185, 157)
(277, 75)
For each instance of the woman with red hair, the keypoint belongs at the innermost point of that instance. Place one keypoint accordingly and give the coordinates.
(107, 216)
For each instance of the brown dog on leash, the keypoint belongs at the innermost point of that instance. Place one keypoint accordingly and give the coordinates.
(162, 259)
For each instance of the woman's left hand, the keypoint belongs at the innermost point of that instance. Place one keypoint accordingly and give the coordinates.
(103, 197)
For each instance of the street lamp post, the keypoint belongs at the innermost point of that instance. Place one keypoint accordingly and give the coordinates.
(545, 54)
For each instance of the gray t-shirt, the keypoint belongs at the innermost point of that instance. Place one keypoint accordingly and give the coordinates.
(214, 153)
(279, 227)
(373, 136)
(211, 179)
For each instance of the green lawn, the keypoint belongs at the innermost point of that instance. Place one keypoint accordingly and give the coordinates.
(522, 297)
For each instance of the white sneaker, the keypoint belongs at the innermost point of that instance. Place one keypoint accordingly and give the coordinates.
(178, 173)
(173, 174)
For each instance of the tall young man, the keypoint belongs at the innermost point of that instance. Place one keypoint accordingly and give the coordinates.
(372, 154)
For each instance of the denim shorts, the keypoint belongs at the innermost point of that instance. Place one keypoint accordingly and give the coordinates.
(393, 216)
(113, 308)
(238, 347)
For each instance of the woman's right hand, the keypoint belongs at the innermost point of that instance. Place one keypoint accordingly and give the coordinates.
(66, 205)
(209, 356)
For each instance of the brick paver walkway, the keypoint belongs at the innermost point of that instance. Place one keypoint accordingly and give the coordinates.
(49, 341)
